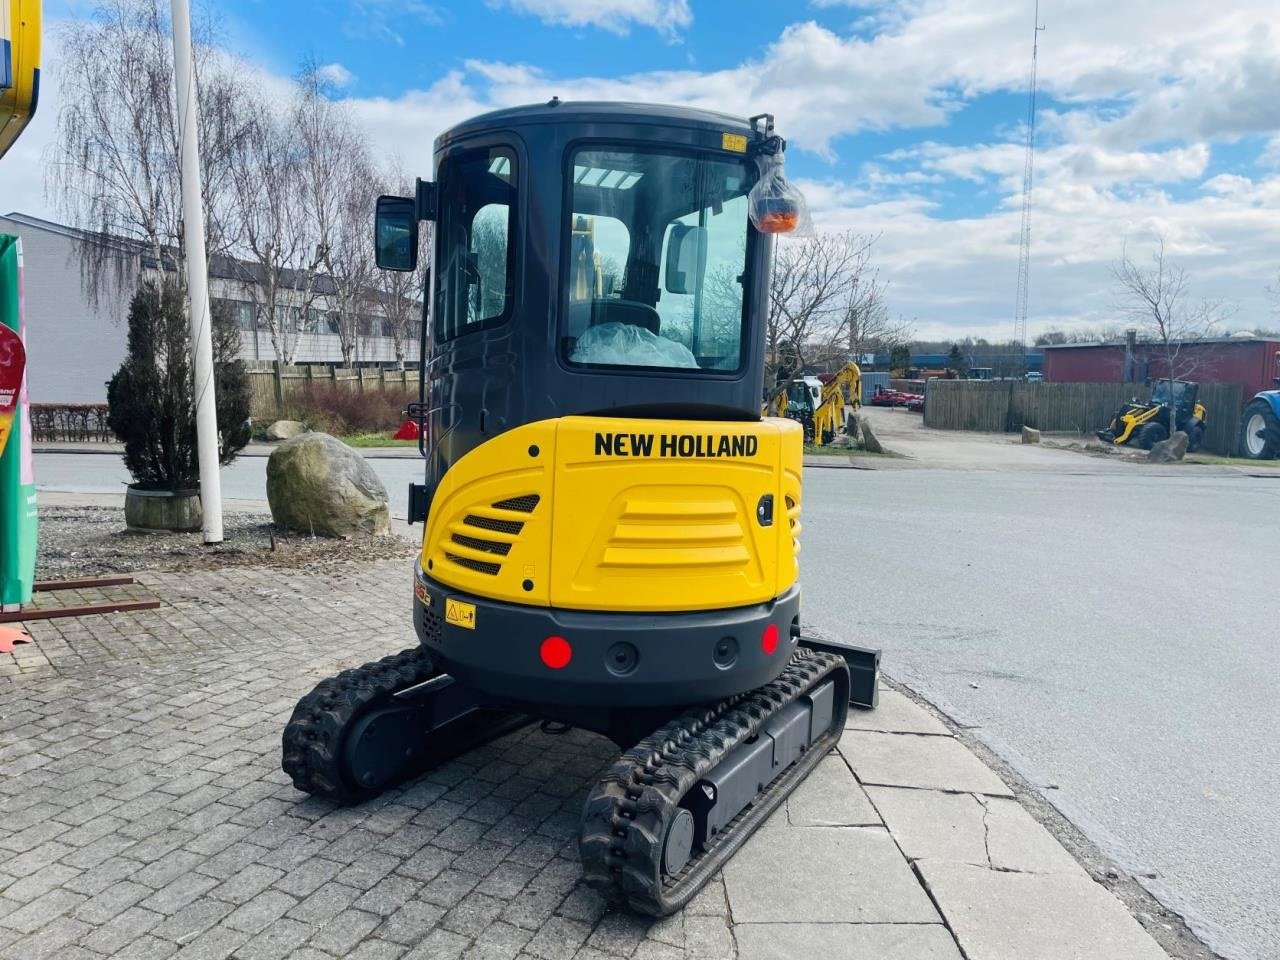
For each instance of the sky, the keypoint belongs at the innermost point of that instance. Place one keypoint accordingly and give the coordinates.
(904, 118)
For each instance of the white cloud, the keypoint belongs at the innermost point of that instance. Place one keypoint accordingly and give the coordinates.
(1148, 90)
(668, 17)
(335, 74)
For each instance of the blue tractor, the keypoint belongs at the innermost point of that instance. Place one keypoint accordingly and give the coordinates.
(1259, 437)
(1260, 427)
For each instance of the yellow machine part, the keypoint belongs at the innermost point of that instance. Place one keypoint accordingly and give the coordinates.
(19, 67)
(602, 513)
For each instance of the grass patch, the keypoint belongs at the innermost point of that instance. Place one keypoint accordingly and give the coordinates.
(375, 440)
(1213, 459)
(844, 452)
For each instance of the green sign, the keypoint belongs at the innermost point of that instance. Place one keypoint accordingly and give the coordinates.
(17, 475)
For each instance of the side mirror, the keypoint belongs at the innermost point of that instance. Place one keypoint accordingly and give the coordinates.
(395, 233)
(686, 257)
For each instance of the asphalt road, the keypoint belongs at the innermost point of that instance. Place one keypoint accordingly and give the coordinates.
(1114, 635)
(1108, 629)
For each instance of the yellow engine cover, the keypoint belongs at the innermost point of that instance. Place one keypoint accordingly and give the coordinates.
(601, 513)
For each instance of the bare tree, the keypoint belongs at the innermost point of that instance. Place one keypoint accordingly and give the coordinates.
(272, 225)
(810, 293)
(112, 170)
(337, 193)
(1156, 301)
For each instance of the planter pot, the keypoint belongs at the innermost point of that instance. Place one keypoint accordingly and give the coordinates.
(162, 511)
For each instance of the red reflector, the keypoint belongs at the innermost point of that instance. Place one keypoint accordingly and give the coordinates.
(556, 652)
(770, 639)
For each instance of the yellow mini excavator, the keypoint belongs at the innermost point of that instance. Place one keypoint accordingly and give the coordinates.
(611, 528)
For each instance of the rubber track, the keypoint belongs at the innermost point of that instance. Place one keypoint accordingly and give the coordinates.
(313, 737)
(627, 814)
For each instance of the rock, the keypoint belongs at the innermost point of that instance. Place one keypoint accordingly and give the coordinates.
(869, 441)
(851, 429)
(1169, 451)
(1030, 435)
(317, 484)
(285, 429)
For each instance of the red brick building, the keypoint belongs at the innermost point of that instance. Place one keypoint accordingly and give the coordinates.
(1252, 363)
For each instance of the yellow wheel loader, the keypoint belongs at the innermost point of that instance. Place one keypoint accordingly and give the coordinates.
(1144, 423)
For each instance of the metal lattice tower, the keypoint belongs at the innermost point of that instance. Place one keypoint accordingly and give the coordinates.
(1024, 252)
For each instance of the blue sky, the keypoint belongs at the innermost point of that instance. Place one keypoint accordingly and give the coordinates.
(904, 118)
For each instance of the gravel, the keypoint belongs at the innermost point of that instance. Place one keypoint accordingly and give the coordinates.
(88, 541)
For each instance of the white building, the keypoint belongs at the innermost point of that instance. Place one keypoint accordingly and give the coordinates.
(73, 346)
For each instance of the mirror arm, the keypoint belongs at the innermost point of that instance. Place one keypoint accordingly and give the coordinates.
(426, 200)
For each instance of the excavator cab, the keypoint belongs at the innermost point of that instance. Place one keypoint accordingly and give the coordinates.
(611, 528)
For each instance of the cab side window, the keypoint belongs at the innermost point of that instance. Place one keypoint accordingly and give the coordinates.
(475, 274)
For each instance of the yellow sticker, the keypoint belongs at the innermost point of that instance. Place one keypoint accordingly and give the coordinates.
(735, 142)
(460, 614)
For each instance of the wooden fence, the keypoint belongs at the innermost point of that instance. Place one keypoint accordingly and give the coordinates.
(1006, 406)
(273, 385)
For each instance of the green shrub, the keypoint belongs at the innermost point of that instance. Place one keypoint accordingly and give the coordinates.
(150, 399)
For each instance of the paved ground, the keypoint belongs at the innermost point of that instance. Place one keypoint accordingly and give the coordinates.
(145, 816)
(1111, 633)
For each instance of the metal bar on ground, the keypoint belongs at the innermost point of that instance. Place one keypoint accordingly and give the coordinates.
(80, 610)
(82, 582)
(864, 669)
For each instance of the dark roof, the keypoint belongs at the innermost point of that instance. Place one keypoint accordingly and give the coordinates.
(1146, 343)
(600, 111)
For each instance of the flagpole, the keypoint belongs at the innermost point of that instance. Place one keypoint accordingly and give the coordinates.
(197, 275)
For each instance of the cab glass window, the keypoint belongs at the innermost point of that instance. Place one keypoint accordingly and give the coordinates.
(656, 266)
(474, 241)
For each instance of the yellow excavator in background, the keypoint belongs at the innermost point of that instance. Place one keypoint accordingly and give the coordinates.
(19, 67)
(841, 399)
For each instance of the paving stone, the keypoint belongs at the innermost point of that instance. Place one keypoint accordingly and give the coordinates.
(473, 914)
(216, 943)
(619, 933)
(439, 945)
(178, 893)
(192, 920)
(830, 796)
(325, 904)
(110, 902)
(654, 950)
(343, 932)
(844, 941)
(411, 922)
(36, 914)
(374, 949)
(896, 713)
(1010, 916)
(986, 831)
(47, 942)
(707, 938)
(279, 940)
(558, 939)
(824, 875)
(500, 941)
(906, 760)
(304, 879)
(255, 915)
(121, 930)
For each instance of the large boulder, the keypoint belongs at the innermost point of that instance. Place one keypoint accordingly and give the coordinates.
(870, 442)
(1030, 435)
(1169, 451)
(285, 429)
(317, 484)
